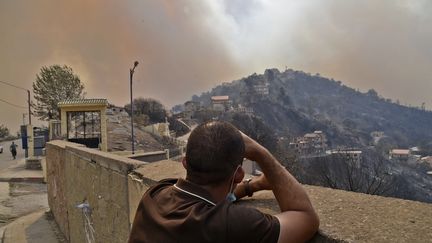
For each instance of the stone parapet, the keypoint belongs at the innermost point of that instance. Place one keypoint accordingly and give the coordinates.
(113, 186)
(56, 183)
(33, 163)
(150, 156)
(88, 192)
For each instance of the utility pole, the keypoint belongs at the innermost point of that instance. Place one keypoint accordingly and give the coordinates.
(132, 70)
(29, 105)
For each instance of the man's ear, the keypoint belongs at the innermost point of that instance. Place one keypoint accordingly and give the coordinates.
(184, 163)
(239, 175)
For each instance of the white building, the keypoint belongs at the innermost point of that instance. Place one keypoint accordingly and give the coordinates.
(399, 154)
(310, 143)
(221, 103)
(190, 107)
(261, 88)
(427, 159)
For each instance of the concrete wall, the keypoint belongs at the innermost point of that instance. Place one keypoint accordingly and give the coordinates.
(77, 175)
(158, 129)
(114, 185)
(150, 156)
(56, 183)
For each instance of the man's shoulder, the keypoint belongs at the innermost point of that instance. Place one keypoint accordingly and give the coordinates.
(162, 184)
(168, 181)
(238, 211)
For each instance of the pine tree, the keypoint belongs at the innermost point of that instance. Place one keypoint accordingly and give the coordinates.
(54, 84)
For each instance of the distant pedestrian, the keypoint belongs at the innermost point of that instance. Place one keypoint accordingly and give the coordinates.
(13, 149)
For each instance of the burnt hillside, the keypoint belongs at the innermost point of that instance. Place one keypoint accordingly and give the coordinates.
(298, 102)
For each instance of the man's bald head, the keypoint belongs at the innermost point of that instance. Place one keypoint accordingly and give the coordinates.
(214, 150)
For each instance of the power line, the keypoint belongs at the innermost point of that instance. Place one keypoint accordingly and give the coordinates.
(22, 107)
(28, 98)
(18, 87)
(14, 87)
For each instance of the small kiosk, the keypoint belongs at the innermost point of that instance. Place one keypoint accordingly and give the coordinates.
(84, 121)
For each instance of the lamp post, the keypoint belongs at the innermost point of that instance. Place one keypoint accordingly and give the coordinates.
(132, 70)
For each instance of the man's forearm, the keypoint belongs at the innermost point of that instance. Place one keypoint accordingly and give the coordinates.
(298, 219)
(290, 195)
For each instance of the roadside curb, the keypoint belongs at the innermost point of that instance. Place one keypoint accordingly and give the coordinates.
(22, 229)
(2, 233)
(23, 179)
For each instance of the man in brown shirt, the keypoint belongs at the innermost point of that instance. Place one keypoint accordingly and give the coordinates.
(200, 209)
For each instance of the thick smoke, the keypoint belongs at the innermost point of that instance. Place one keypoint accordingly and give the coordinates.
(385, 45)
(186, 46)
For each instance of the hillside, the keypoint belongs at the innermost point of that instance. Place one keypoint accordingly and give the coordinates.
(299, 102)
(119, 135)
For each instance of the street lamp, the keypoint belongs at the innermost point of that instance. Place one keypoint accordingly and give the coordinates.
(132, 70)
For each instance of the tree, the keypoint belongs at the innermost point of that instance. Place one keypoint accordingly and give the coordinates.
(289, 158)
(256, 129)
(371, 176)
(150, 107)
(54, 84)
(372, 93)
(284, 97)
(4, 131)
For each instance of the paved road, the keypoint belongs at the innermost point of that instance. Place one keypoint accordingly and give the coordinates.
(6, 159)
(185, 137)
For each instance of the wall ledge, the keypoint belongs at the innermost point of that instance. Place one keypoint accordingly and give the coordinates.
(345, 216)
(114, 162)
(118, 184)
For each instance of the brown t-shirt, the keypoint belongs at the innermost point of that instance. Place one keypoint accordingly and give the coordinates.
(186, 213)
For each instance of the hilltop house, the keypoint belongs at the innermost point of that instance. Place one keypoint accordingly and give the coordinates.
(243, 109)
(221, 103)
(190, 107)
(261, 88)
(310, 144)
(399, 154)
(427, 159)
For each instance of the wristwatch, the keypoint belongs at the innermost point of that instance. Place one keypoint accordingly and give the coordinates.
(248, 189)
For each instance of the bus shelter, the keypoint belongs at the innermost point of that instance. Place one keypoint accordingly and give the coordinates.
(83, 121)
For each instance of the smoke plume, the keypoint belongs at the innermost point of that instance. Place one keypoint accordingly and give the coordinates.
(185, 47)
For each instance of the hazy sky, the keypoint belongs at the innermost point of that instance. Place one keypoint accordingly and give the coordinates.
(187, 46)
